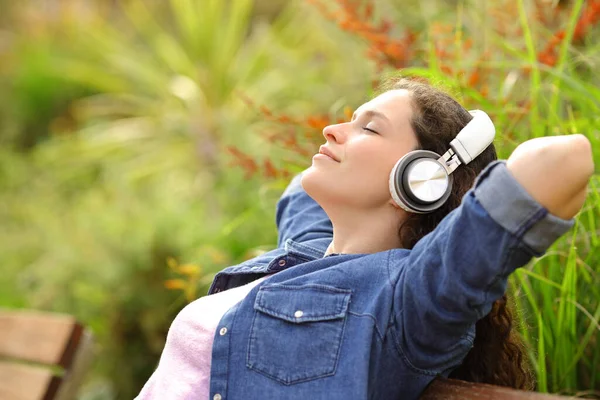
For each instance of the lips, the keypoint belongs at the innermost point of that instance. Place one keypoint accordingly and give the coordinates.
(325, 151)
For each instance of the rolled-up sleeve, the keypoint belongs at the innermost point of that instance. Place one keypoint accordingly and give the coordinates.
(452, 276)
(511, 207)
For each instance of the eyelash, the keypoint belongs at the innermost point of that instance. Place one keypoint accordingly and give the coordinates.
(370, 130)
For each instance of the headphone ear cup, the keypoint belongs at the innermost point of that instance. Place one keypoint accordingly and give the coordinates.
(414, 172)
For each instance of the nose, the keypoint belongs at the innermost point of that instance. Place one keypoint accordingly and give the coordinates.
(335, 133)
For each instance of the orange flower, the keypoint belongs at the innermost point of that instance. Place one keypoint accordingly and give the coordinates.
(318, 122)
(590, 16)
(189, 269)
(270, 170)
(174, 284)
(383, 49)
(243, 160)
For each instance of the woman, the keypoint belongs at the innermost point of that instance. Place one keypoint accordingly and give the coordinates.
(363, 299)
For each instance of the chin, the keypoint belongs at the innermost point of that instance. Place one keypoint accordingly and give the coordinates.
(309, 180)
(316, 185)
(335, 191)
(327, 190)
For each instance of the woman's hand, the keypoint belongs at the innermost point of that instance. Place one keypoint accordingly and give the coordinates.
(555, 171)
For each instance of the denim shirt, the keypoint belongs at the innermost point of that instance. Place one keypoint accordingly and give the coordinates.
(372, 326)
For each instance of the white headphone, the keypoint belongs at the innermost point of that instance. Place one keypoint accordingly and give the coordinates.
(421, 181)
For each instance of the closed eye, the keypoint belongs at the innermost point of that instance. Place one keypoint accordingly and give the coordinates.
(370, 130)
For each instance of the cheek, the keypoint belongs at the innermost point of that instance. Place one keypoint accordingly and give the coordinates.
(369, 170)
(373, 162)
(361, 180)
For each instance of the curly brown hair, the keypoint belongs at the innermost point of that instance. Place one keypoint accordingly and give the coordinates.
(498, 356)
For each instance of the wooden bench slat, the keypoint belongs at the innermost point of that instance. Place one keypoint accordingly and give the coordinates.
(451, 389)
(82, 361)
(24, 382)
(39, 337)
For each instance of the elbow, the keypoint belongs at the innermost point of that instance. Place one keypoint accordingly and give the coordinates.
(570, 160)
(578, 165)
(555, 170)
(582, 154)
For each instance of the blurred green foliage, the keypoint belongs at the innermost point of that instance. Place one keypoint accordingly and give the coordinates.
(115, 117)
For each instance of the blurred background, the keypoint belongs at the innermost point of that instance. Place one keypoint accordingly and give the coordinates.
(144, 144)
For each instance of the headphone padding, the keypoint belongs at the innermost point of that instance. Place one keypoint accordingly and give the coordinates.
(401, 192)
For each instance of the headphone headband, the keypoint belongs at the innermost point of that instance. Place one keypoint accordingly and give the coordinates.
(474, 138)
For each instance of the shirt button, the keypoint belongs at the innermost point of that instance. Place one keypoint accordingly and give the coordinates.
(217, 397)
(223, 331)
(281, 263)
(298, 314)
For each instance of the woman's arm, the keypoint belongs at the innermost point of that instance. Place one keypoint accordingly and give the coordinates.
(555, 171)
(299, 217)
(454, 274)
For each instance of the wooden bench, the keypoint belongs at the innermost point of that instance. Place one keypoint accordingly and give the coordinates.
(451, 389)
(43, 356)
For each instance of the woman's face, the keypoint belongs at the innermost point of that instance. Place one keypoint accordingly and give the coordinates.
(359, 155)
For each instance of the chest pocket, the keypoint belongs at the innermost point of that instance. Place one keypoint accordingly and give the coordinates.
(297, 331)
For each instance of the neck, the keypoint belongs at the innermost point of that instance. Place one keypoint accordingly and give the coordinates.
(360, 232)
